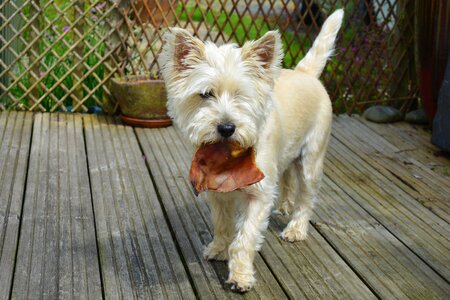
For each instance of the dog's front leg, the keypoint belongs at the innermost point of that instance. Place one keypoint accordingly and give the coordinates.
(222, 215)
(250, 226)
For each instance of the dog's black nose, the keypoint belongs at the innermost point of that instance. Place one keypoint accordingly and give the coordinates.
(226, 130)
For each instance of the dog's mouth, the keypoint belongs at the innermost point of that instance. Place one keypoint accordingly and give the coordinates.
(237, 141)
(223, 167)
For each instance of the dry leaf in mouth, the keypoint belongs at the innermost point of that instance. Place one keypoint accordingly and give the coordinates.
(223, 167)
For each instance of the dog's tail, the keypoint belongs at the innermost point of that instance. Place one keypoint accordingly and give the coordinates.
(315, 60)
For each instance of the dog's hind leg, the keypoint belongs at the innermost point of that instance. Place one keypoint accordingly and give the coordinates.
(289, 189)
(309, 170)
(222, 214)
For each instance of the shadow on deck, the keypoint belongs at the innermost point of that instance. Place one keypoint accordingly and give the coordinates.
(93, 209)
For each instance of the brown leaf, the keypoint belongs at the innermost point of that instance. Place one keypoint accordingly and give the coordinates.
(223, 167)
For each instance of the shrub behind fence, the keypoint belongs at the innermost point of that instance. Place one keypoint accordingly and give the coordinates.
(58, 55)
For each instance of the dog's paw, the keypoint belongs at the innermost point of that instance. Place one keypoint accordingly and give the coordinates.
(293, 233)
(242, 283)
(215, 252)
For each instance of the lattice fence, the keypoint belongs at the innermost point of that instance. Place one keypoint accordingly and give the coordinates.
(58, 55)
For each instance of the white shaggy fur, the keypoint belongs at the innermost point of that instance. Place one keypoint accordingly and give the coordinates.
(285, 114)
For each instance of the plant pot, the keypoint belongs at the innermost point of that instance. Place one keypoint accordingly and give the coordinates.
(142, 101)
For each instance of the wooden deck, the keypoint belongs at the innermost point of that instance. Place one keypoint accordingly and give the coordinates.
(93, 209)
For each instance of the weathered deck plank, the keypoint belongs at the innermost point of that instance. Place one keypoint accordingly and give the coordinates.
(137, 254)
(379, 194)
(418, 135)
(404, 137)
(15, 141)
(412, 139)
(310, 269)
(384, 262)
(430, 188)
(57, 254)
(297, 267)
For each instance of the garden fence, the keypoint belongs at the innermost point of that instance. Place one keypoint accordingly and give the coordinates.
(58, 55)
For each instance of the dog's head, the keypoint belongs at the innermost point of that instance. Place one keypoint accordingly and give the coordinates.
(217, 93)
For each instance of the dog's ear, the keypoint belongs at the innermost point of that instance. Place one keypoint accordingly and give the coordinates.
(267, 51)
(182, 48)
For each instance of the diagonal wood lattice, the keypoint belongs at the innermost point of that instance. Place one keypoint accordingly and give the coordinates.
(59, 55)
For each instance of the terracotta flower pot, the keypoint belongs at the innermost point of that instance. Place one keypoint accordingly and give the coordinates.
(142, 101)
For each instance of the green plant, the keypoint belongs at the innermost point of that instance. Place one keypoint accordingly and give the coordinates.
(56, 67)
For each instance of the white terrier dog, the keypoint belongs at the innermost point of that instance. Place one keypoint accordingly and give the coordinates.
(242, 95)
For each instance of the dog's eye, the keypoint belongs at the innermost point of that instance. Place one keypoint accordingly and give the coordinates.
(207, 95)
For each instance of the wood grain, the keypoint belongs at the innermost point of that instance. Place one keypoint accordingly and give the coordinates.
(137, 254)
(15, 142)
(57, 253)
